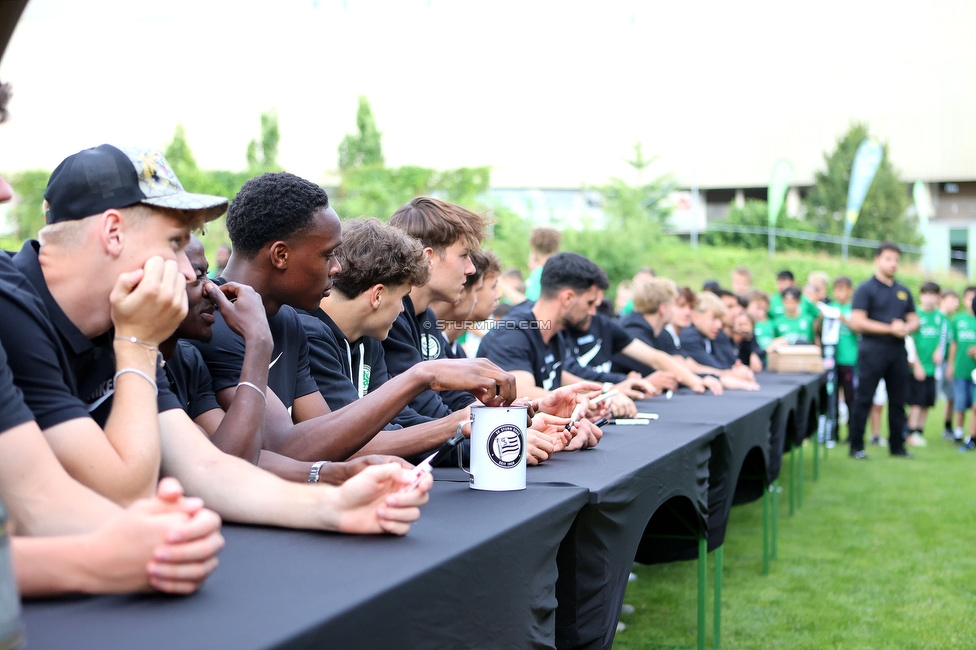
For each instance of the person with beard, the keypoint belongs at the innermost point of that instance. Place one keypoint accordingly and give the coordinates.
(527, 341)
(883, 313)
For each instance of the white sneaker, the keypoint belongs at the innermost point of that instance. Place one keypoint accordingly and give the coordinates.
(915, 440)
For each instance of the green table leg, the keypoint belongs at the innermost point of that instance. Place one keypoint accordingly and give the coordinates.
(767, 496)
(792, 480)
(702, 562)
(717, 620)
(774, 551)
(799, 480)
(816, 459)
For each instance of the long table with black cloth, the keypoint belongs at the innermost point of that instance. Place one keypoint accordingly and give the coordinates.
(543, 567)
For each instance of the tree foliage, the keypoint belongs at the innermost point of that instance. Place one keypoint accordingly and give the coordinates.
(882, 216)
(26, 212)
(634, 214)
(262, 156)
(755, 213)
(369, 187)
(362, 149)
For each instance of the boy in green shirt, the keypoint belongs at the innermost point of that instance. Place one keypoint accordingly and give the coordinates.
(948, 305)
(962, 362)
(794, 326)
(846, 355)
(928, 354)
(757, 307)
(784, 280)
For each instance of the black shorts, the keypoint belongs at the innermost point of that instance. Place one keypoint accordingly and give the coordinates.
(921, 393)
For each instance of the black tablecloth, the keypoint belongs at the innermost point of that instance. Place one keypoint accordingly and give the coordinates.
(476, 571)
(479, 569)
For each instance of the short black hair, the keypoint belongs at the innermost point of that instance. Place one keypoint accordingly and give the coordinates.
(843, 281)
(931, 287)
(886, 246)
(785, 275)
(572, 271)
(272, 207)
(792, 292)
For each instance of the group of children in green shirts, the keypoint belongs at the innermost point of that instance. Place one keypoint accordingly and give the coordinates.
(942, 351)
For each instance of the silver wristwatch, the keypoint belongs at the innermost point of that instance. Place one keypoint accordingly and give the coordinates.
(313, 473)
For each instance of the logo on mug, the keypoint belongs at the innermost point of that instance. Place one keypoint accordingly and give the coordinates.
(505, 446)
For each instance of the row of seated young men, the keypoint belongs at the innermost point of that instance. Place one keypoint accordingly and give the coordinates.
(322, 354)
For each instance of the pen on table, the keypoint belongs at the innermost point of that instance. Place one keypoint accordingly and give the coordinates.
(419, 471)
(576, 414)
(602, 421)
(604, 396)
(425, 465)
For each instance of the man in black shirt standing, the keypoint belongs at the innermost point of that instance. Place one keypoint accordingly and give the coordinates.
(883, 313)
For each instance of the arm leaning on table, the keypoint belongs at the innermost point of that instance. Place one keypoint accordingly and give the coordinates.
(81, 542)
(369, 502)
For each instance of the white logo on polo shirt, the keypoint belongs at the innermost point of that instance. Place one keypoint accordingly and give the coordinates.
(585, 358)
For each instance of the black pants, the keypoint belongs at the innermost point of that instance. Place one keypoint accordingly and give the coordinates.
(874, 363)
(845, 381)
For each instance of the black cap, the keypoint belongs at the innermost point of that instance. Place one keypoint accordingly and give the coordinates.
(105, 177)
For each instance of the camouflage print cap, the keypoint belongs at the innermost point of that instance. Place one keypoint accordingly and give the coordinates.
(105, 177)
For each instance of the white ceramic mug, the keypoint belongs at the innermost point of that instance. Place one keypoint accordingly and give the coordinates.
(497, 448)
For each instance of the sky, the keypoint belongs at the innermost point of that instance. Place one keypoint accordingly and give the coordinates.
(549, 94)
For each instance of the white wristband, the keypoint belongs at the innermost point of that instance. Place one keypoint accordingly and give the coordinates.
(135, 371)
(255, 387)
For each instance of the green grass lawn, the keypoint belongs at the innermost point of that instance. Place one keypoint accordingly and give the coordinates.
(879, 556)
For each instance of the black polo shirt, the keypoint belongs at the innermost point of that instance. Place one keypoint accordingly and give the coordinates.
(725, 350)
(668, 340)
(14, 411)
(288, 373)
(62, 374)
(346, 370)
(883, 304)
(700, 348)
(636, 326)
(455, 399)
(412, 339)
(190, 380)
(516, 344)
(592, 351)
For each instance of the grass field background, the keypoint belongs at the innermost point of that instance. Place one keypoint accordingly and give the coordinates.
(879, 556)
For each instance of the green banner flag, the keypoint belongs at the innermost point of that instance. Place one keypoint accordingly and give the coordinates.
(866, 163)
